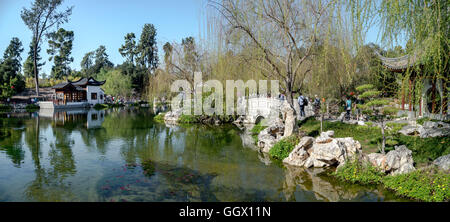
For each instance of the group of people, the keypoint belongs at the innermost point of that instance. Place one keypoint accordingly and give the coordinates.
(303, 102)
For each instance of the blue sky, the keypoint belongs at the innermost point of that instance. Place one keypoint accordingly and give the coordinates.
(106, 22)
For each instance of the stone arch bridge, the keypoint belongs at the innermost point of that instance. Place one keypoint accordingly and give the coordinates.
(258, 108)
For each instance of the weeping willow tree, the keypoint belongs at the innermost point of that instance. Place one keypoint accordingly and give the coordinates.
(424, 25)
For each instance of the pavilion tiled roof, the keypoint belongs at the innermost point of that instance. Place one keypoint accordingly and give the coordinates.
(60, 85)
(87, 81)
(399, 63)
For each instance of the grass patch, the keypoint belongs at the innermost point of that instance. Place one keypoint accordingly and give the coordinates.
(282, 149)
(425, 149)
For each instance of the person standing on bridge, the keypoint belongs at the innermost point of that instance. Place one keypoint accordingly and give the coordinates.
(301, 103)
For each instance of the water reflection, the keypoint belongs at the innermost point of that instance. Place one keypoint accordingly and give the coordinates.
(90, 155)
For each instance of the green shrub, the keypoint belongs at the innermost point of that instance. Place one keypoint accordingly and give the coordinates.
(426, 185)
(159, 118)
(187, 119)
(4, 107)
(31, 107)
(256, 130)
(421, 121)
(355, 172)
(285, 146)
(99, 106)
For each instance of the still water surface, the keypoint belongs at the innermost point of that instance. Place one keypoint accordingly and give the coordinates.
(90, 155)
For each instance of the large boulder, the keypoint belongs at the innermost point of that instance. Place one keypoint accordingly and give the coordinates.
(323, 151)
(443, 162)
(395, 162)
(300, 154)
(435, 129)
(428, 129)
(410, 130)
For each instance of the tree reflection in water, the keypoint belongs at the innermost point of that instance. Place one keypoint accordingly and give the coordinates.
(98, 156)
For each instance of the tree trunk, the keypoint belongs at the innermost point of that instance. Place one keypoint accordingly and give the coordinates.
(36, 73)
(445, 98)
(433, 96)
(383, 142)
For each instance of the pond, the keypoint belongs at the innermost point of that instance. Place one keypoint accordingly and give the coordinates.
(123, 155)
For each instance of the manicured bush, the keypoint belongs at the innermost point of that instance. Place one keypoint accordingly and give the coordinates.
(428, 185)
(284, 147)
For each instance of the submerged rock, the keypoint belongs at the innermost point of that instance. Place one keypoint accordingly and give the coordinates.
(443, 162)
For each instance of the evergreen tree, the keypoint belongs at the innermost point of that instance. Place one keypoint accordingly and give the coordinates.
(147, 48)
(60, 48)
(11, 81)
(87, 64)
(101, 60)
(28, 66)
(128, 50)
(376, 107)
(40, 19)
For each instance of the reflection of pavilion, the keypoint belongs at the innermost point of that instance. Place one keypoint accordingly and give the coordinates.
(91, 118)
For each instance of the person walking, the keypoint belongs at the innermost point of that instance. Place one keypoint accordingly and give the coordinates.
(301, 103)
(348, 105)
(316, 104)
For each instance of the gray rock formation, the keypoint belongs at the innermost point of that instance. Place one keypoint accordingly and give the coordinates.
(395, 162)
(429, 129)
(443, 162)
(324, 151)
(269, 136)
(289, 121)
(300, 154)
